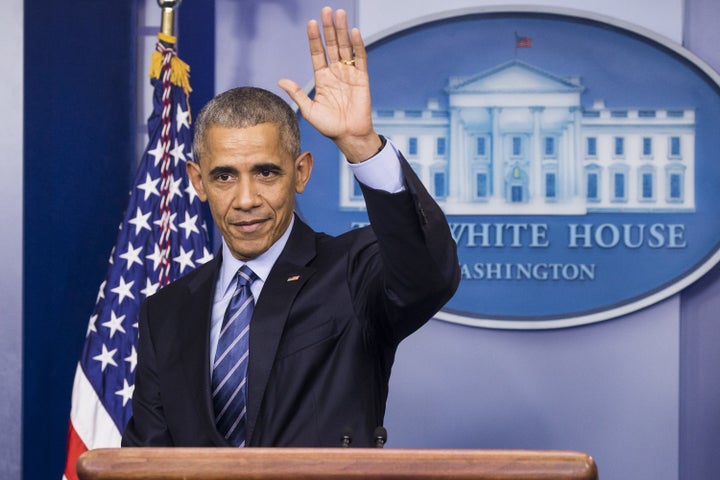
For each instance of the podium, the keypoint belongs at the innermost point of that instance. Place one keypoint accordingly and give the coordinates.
(337, 463)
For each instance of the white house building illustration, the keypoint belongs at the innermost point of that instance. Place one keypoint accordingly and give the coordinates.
(515, 139)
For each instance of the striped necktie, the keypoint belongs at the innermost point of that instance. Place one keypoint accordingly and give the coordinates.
(229, 378)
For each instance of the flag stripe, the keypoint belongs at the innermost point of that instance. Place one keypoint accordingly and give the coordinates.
(75, 448)
(89, 418)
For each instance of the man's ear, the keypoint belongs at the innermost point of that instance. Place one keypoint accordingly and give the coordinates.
(195, 175)
(303, 168)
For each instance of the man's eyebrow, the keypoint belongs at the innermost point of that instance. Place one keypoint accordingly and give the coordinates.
(268, 166)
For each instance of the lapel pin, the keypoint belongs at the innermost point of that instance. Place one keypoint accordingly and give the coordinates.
(294, 278)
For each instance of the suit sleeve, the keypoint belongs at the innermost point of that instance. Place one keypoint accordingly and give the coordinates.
(147, 426)
(416, 269)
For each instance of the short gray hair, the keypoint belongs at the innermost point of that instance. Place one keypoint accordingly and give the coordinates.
(244, 107)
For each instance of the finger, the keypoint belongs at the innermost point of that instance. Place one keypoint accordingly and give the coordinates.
(343, 38)
(358, 46)
(331, 42)
(296, 93)
(317, 51)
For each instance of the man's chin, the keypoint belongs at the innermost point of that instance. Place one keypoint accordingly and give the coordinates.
(248, 252)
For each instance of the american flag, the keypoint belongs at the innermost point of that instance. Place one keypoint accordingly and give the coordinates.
(161, 238)
(522, 41)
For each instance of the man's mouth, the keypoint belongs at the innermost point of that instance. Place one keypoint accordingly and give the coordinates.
(248, 226)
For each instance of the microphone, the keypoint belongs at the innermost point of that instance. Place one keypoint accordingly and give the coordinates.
(346, 439)
(380, 437)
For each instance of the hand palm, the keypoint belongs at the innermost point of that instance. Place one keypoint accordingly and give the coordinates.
(341, 93)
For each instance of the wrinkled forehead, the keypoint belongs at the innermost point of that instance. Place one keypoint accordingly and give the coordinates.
(272, 134)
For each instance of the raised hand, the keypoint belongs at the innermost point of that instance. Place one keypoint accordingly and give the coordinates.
(341, 108)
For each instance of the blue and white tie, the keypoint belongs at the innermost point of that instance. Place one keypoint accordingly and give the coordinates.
(229, 378)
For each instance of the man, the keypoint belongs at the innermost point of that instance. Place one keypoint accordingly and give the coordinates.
(324, 314)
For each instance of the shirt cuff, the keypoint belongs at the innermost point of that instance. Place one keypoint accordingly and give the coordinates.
(382, 171)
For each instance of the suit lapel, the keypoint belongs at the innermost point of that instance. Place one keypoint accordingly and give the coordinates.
(194, 324)
(286, 279)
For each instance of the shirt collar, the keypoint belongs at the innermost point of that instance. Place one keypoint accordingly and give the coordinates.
(260, 265)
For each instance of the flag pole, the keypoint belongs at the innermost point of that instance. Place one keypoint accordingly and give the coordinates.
(167, 24)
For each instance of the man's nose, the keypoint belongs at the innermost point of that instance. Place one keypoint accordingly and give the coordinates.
(247, 195)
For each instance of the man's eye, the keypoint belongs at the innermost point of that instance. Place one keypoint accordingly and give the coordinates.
(265, 171)
(223, 177)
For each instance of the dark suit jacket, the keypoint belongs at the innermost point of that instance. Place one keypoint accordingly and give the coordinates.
(321, 346)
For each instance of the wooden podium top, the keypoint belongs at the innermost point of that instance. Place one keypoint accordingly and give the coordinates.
(325, 464)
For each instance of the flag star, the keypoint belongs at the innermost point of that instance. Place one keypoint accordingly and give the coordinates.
(189, 225)
(132, 359)
(175, 188)
(178, 152)
(126, 392)
(115, 323)
(132, 255)
(106, 357)
(156, 257)
(91, 325)
(171, 220)
(184, 259)
(140, 221)
(182, 118)
(207, 256)
(150, 186)
(157, 153)
(123, 290)
(101, 292)
(150, 287)
(192, 194)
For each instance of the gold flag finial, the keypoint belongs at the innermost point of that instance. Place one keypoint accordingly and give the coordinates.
(167, 25)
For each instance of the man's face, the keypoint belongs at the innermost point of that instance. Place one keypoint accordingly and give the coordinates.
(250, 182)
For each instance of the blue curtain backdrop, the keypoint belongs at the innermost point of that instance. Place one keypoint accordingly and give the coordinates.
(79, 80)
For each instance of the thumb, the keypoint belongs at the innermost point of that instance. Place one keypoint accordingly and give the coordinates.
(296, 93)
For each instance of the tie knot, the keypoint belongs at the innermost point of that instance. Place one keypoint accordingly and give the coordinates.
(246, 276)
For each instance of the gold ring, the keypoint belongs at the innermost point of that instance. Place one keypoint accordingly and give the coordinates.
(348, 62)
